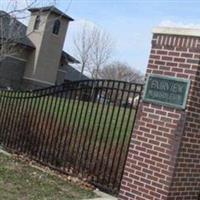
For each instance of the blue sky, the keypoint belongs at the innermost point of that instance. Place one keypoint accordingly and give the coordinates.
(129, 22)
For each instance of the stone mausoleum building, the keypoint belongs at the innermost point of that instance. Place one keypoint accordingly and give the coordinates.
(33, 57)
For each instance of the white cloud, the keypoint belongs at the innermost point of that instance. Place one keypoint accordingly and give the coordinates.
(169, 23)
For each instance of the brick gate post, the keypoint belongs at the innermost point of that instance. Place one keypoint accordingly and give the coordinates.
(164, 155)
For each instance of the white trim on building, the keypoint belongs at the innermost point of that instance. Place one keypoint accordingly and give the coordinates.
(37, 80)
(17, 58)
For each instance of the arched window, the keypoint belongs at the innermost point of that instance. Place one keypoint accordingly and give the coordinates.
(37, 23)
(56, 27)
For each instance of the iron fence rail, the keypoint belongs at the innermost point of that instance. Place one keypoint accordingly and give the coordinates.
(80, 128)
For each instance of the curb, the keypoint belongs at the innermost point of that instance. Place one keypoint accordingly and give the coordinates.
(102, 196)
(4, 152)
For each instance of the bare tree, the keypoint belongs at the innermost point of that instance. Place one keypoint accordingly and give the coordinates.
(120, 71)
(101, 51)
(83, 44)
(12, 31)
(93, 48)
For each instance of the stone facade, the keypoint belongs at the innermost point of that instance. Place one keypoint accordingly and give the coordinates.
(43, 64)
(164, 155)
(37, 58)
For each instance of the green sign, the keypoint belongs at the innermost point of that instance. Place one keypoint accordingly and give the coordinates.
(167, 91)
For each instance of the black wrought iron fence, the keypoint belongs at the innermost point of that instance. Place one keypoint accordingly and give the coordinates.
(81, 128)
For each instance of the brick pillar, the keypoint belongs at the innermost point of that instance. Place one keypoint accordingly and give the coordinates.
(164, 155)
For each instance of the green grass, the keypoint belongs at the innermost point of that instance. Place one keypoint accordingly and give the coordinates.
(114, 118)
(106, 119)
(88, 136)
(81, 114)
(20, 181)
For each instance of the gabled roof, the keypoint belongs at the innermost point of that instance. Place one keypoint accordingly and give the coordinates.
(13, 30)
(73, 74)
(69, 58)
(52, 9)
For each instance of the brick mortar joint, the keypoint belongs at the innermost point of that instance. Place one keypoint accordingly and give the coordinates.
(180, 135)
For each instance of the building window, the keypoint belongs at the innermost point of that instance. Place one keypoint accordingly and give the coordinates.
(37, 23)
(56, 27)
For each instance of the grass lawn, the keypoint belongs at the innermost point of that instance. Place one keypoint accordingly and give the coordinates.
(100, 118)
(87, 138)
(20, 181)
(112, 119)
(105, 118)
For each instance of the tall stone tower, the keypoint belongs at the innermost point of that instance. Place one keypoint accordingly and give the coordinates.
(47, 29)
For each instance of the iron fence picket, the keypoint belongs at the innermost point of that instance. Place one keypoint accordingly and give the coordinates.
(99, 122)
(77, 128)
(44, 143)
(32, 123)
(54, 132)
(6, 119)
(63, 138)
(129, 139)
(41, 131)
(10, 114)
(115, 126)
(68, 150)
(2, 115)
(23, 119)
(35, 122)
(91, 134)
(87, 133)
(99, 178)
(27, 124)
(86, 103)
(50, 138)
(112, 134)
(93, 126)
(65, 134)
(74, 128)
(13, 121)
(103, 134)
(25, 127)
(123, 140)
(36, 128)
(61, 124)
(17, 125)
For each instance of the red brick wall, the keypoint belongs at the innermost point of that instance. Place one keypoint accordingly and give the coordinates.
(164, 155)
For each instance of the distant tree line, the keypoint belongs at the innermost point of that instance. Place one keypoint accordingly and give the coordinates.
(94, 49)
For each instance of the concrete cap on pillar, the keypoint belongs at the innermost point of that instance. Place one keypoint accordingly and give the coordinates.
(177, 31)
